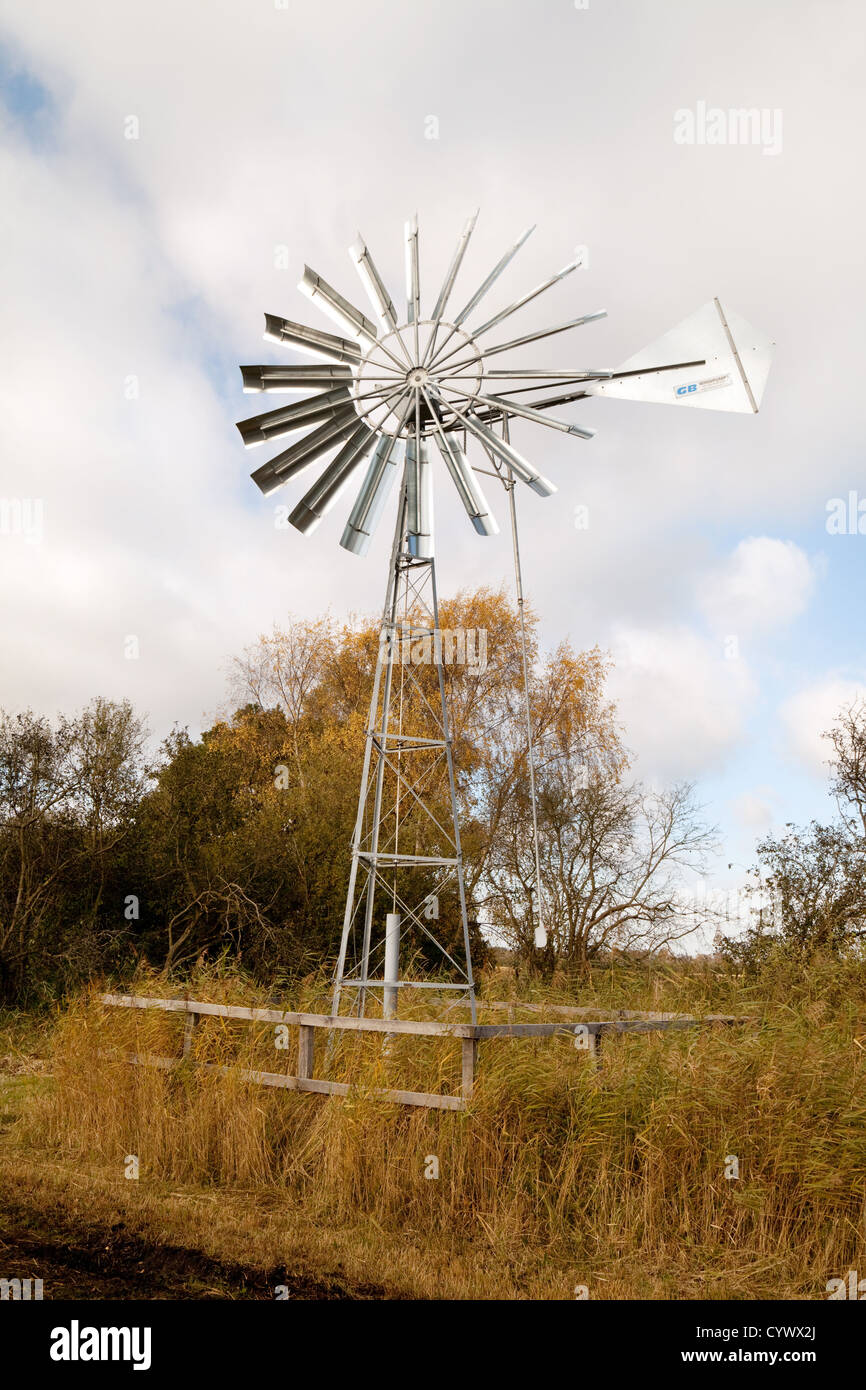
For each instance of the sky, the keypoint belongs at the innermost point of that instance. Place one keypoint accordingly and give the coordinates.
(167, 171)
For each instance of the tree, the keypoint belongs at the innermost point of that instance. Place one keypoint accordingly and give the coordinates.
(612, 856)
(848, 767)
(809, 890)
(67, 796)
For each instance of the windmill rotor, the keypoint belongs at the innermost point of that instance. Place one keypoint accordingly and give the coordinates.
(425, 381)
(417, 383)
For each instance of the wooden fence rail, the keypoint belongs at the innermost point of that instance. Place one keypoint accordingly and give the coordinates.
(589, 1031)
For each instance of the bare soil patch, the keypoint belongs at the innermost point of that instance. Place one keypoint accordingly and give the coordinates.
(113, 1263)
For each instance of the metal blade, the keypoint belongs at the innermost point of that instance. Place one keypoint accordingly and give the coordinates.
(324, 346)
(493, 276)
(413, 273)
(321, 378)
(380, 477)
(373, 284)
(300, 455)
(289, 418)
(445, 292)
(467, 485)
(344, 314)
(526, 298)
(457, 261)
(314, 505)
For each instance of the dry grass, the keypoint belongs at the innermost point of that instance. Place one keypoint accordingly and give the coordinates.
(554, 1177)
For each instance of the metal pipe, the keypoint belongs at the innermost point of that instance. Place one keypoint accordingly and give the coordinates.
(390, 993)
(420, 492)
(525, 411)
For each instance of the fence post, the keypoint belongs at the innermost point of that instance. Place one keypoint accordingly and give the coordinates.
(596, 1036)
(470, 1053)
(306, 1047)
(189, 1026)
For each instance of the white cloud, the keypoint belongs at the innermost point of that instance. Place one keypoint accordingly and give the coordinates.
(764, 584)
(809, 713)
(681, 701)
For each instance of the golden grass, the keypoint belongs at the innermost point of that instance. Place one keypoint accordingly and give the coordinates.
(554, 1177)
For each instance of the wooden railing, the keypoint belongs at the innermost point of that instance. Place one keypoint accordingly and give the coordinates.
(590, 1031)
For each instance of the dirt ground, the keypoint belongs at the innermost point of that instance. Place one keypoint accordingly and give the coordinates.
(93, 1262)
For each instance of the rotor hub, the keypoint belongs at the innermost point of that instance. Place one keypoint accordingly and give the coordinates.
(416, 374)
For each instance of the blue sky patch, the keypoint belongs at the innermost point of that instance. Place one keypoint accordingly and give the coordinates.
(25, 99)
